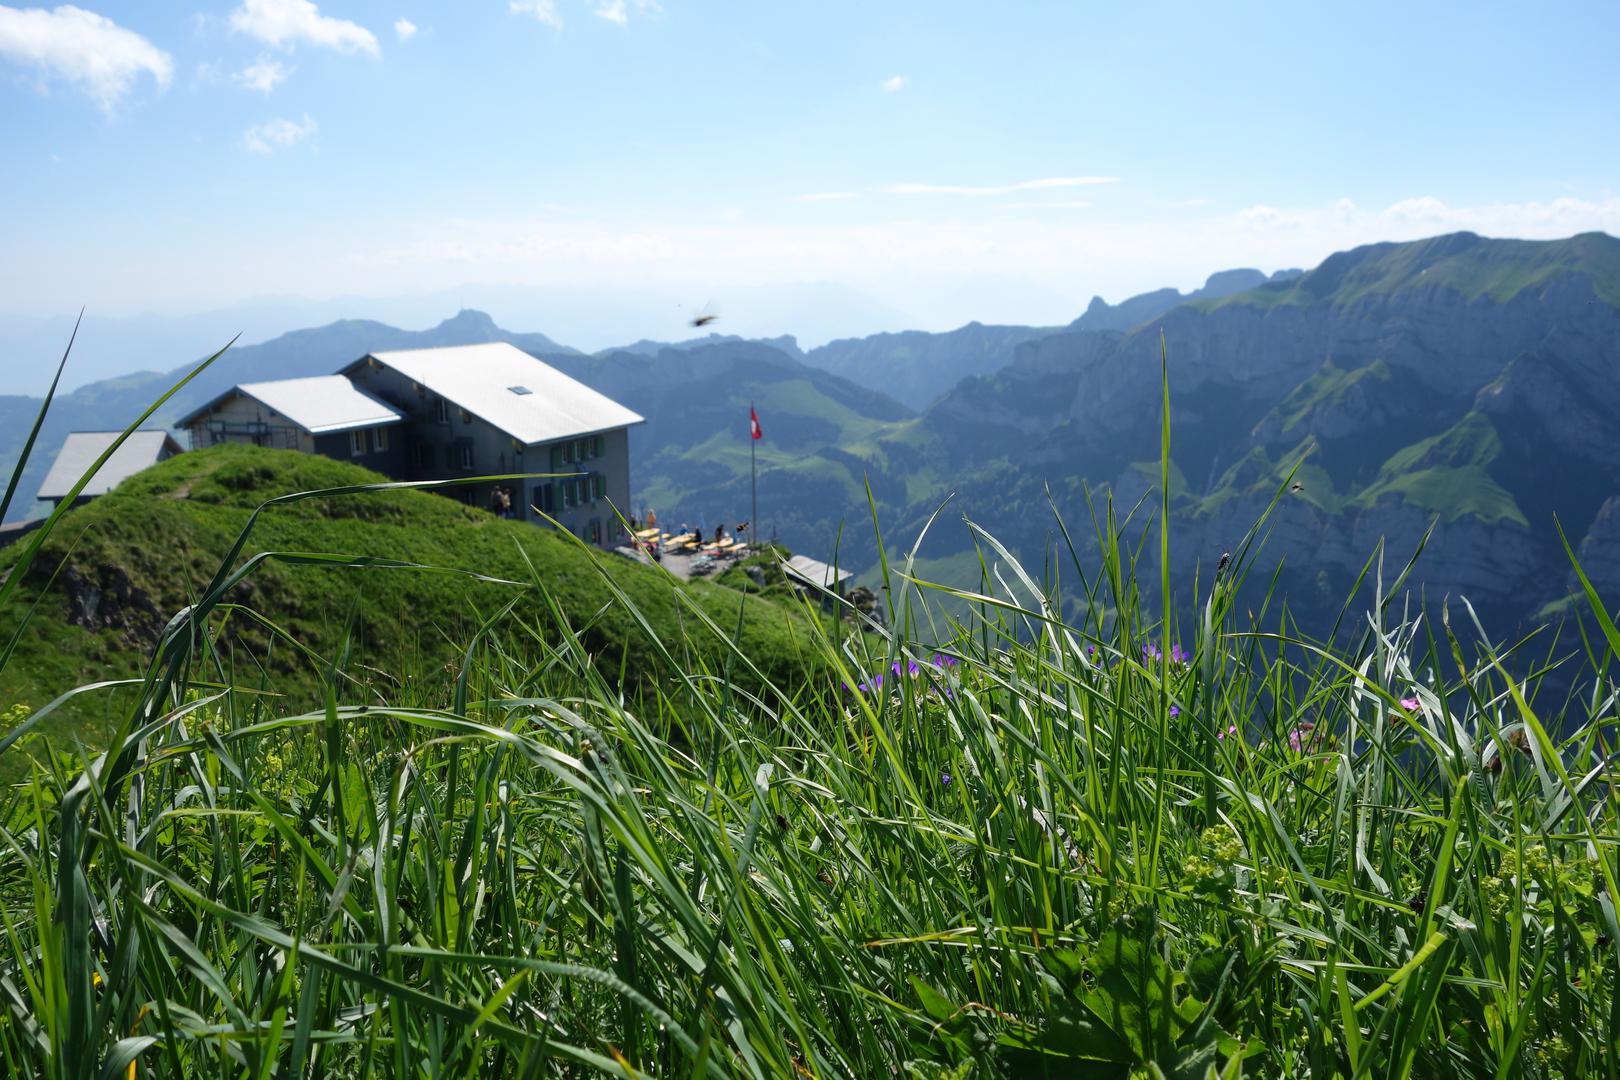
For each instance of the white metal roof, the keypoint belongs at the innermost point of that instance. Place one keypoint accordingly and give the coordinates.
(320, 404)
(81, 449)
(815, 572)
(529, 400)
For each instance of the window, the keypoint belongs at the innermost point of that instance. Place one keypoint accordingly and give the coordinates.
(595, 531)
(357, 443)
(517, 447)
(465, 455)
(421, 455)
(597, 486)
(545, 499)
(379, 439)
(442, 410)
(568, 453)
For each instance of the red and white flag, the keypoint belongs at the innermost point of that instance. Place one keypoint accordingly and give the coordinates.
(753, 424)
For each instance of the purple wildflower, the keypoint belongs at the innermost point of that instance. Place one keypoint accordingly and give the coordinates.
(1231, 729)
(1151, 653)
(1178, 655)
(945, 777)
(943, 661)
(1410, 704)
(1175, 711)
(1300, 735)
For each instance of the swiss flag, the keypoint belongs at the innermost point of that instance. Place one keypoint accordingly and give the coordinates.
(753, 424)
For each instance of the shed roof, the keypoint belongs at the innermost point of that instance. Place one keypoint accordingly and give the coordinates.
(815, 572)
(528, 399)
(81, 449)
(319, 404)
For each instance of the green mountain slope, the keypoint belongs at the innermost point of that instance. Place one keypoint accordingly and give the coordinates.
(916, 367)
(1469, 265)
(1457, 380)
(118, 568)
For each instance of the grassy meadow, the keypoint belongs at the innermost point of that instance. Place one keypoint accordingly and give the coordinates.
(980, 842)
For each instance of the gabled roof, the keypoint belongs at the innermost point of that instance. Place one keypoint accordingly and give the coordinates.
(81, 449)
(815, 572)
(531, 401)
(319, 404)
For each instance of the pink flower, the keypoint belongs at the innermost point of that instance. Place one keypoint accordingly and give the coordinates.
(1301, 735)
(1231, 729)
(1410, 704)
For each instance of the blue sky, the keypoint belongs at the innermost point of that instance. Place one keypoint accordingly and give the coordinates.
(925, 163)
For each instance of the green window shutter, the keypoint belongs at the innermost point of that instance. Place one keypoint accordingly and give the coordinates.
(598, 447)
(596, 482)
(556, 456)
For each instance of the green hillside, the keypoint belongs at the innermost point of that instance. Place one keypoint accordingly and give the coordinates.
(117, 569)
(1448, 475)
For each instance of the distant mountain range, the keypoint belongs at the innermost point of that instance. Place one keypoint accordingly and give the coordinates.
(1474, 382)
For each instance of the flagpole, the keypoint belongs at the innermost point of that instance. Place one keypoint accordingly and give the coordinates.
(753, 479)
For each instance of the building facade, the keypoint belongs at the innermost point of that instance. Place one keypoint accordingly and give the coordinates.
(449, 413)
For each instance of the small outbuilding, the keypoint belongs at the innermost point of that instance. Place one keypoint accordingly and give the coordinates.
(82, 448)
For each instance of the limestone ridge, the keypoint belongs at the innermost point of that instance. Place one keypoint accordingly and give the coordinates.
(1458, 378)
(1131, 313)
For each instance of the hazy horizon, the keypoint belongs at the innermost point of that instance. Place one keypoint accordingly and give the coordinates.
(904, 166)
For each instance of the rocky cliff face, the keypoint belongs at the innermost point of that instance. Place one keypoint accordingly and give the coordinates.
(1467, 383)
(1600, 551)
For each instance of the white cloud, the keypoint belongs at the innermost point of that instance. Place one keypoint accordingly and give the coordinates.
(1079, 256)
(1068, 204)
(895, 82)
(80, 47)
(614, 11)
(916, 265)
(826, 196)
(262, 76)
(1425, 215)
(1007, 189)
(404, 29)
(285, 23)
(543, 10)
(275, 135)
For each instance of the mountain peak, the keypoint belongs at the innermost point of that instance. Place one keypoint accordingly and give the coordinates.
(1227, 282)
(469, 321)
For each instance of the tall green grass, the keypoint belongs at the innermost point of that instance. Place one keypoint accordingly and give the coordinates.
(1046, 848)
